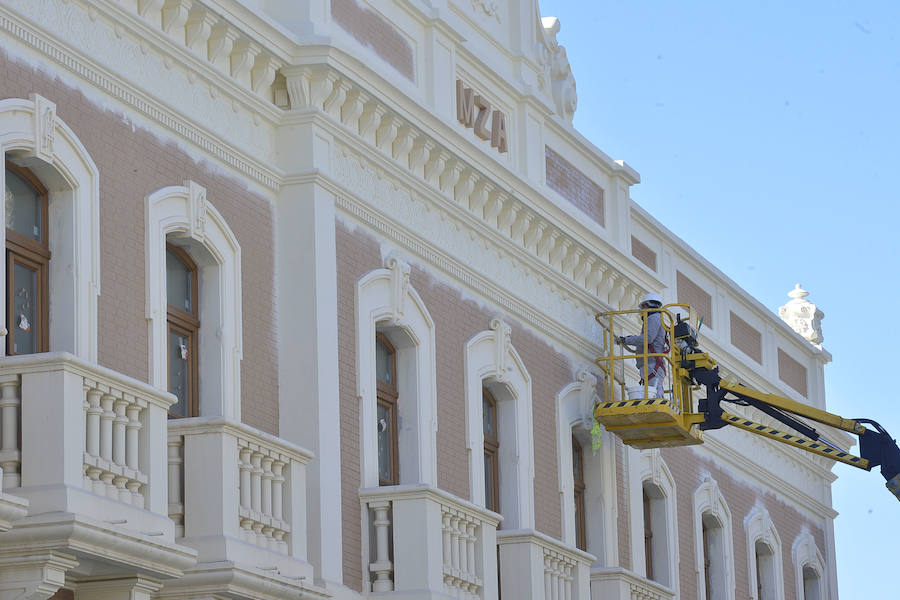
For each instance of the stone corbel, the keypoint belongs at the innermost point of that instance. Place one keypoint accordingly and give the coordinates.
(174, 16)
(336, 98)
(465, 186)
(400, 271)
(44, 127)
(450, 175)
(352, 109)
(494, 206)
(198, 28)
(370, 119)
(132, 588)
(479, 196)
(243, 55)
(507, 214)
(521, 224)
(419, 154)
(220, 45)
(502, 344)
(403, 144)
(34, 577)
(150, 10)
(263, 73)
(435, 165)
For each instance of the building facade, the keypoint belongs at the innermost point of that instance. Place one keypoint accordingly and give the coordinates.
(300, 303)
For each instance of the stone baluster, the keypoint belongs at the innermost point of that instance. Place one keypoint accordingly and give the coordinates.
(267, 476)
(445, 539)
(119, 423)
(245, 468)
(278, 489)
(256, 481)
(106, 426)
(176, 476)
(548, 577)
(174, 16)
(559, 569)
(197, 30)
(9, 446)
(382, 566)
(454, 545)
(132, 436)
(471, 538)
(568, 581)
(92, 432)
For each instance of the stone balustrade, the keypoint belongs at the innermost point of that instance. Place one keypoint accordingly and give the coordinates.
(237, 492)
(533, 565)
(421, 538)
(621, 584)
(92, 440)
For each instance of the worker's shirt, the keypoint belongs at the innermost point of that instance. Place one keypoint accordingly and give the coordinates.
(656, 340)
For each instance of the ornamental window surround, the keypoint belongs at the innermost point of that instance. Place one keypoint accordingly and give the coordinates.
(714, 554)
(392, 320)
(492, 364)
(44, 159)
(195, 332)
(764, 556)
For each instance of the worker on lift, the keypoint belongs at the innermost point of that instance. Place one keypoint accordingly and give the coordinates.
(657, 342)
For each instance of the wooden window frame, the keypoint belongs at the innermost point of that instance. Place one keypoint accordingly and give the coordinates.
(34, 255)
(388, 397)
(186, 324)
(706, 559)
(491, 453)
(759, 586)
(579, 488)
(648, 533)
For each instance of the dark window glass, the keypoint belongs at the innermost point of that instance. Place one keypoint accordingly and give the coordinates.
(184, 331)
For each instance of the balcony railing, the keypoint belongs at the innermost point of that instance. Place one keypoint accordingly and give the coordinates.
(79, 438)
(535, 566)
(238, 494)
(620, 584)
(420, 538)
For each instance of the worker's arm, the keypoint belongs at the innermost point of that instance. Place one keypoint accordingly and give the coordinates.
(653, 325)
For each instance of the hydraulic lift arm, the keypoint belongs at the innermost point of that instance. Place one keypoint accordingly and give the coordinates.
(877, 448)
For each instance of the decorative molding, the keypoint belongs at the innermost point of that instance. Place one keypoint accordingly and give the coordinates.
(116, 87)
(805, 553)
(803, 316)
(708, 499)
(760, 528)
(490, 8)
(556, 70)
(492, 361)
(385, 296)
(44, 127)
(179, 212)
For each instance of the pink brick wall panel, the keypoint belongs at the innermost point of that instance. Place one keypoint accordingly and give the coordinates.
(573, 185)
(372, 30)
(687, 467)
(133, 164)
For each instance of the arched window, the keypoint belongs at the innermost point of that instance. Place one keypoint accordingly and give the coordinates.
(714, 551)
(183, 320)
(809, 568)
(491, 446)
(812, 587)
(765, 571)
(388, 433)
(764, 556)
(27, 263)
(579, 487)
(648, 533)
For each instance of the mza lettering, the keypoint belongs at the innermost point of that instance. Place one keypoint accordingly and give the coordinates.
(467, 101)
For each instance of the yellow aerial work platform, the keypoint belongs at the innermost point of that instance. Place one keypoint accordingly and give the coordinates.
(631, 412)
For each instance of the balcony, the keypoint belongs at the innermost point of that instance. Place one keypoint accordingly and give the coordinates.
(536, 566)
(237, 496)
(84, 448)
(422, 542)
(620, 584)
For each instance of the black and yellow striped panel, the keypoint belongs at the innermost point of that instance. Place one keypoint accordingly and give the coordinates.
(796, 441)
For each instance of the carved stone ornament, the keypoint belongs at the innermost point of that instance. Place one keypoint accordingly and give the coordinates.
(490, 8)
(196, 209)
(502, 344)
(803, 316)
(399, 269)
(587, 396)
(44, 127)
(557, 68)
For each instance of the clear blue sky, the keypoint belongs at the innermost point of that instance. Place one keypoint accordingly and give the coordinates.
(766, 135)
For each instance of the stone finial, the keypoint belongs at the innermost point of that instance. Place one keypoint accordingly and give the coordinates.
(803, 316)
